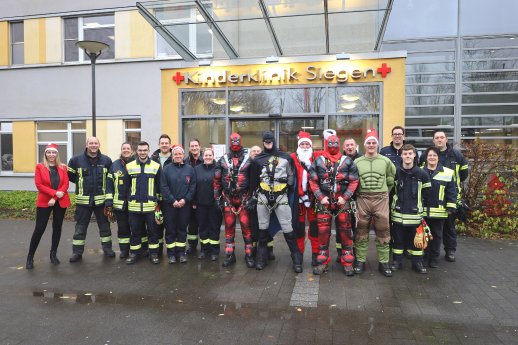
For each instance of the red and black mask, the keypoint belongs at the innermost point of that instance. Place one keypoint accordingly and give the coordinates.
(235, 142)
(333, 145)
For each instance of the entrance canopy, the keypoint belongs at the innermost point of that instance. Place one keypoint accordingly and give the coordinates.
(232, 29)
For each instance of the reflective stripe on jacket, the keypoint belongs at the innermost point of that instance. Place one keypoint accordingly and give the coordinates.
(443, 193)
(144, 190)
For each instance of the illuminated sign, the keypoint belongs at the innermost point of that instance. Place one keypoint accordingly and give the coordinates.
(278, 75)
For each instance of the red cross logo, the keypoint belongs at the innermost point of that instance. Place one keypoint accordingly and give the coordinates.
(384, 70)
(178, 77)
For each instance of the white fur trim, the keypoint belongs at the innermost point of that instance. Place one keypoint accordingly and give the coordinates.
(328, 133)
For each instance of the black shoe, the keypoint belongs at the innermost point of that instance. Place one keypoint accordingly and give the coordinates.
(249, 260)
(271, 255)
(145, 254)
(450, 256)
(171, 259)
(214, 257)
(230, 259)
(75, 258)
(349, 271)
(419, 268)
(124, 254)
(183, 259)
(320, 269)
(359, 267)
(133, 258)
(202, 256)
(432, 263)
(109, 252)
(314, 261)
(30, 262)
(53, 258)
(154, 259)
(396, 265)
(384, 269)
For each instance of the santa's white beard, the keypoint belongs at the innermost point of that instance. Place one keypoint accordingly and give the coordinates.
(304, 155)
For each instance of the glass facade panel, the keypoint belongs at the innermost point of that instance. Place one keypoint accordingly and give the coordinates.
(430, 67)
(203, 103)
(354, 126)
(439, 56)
(78, 143)
(429, 100)
(490, 42)
(428, 89)
(209, 131)
(481, 17)
(490, 53)
(289, 129)
(489, 109)
(489, 87)
(352, 99)
(430, 78)
(412, 46)
(491, 64)
(490, 121)
(429, 121)
(289, 29)
(491, 98)
(51, 125)
(430, 111)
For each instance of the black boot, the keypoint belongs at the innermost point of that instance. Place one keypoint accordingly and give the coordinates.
(397, 262)
(359, 267)
(261, 258)
(53, 258)
(30, 262)
(249, 260)
(314, 259)
(230, 259)
(450, 255)
(271, 255)
(108, 251)
(418, 267)
(321, 266)
(296, 255)
(384, 269)
(76, 257)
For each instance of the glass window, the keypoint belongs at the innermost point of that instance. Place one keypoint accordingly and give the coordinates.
(490, 53)
(490, 87)
(203, 103)
(491, 64)
(430, 67)
(132, 132)
(209, 131)
(6, 146)
(352, 99)
(482, 17)
(430, 78)
(491, 98)
(428, 89)
(429, 111)
(182, 22)
(17, 43)
(289, 129)
(490, 121)
(430, 57)
(419, 45)
(251, 130)
(354, 126)
(490, 42)
(489, 109)
(93, 28)
(489, 132)
(429, 100)
(429, 121)
(69, 136)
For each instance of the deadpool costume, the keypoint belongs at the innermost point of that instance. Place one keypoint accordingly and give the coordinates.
(231, 184)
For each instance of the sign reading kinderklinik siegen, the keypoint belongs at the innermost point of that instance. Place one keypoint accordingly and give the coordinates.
(280, 75)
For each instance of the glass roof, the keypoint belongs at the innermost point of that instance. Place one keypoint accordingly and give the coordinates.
(222, 29)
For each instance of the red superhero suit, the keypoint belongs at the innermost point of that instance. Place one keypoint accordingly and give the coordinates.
(333, 180)
(303, 158)
(231, 184)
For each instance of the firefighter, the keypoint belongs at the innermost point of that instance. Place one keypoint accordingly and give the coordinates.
(117, 197)
(178, 186)
(144, 181)
(412, 186)
(89, 171)
(231, 184)
(441, 202)
(271, 178)
(303, 158)
(377, 174)
(194, 158)
(333, 180)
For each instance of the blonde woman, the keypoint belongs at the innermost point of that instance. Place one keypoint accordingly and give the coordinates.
(51, 180)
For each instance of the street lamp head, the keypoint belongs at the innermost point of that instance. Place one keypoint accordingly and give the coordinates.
(92, 47)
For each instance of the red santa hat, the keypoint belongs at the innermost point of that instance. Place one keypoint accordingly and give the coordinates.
(177, 147)
(371, 135)
(51, 147)
(304, 137)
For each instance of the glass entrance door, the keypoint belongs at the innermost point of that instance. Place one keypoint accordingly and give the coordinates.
(285, 130)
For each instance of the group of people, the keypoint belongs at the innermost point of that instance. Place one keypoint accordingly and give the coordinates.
(179, 199)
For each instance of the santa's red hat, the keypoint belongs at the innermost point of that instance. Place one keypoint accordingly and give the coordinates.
(304, 137)
(51, 147)
(177, 147)
(371, 135)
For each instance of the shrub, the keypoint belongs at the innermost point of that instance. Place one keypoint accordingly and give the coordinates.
(22, 205)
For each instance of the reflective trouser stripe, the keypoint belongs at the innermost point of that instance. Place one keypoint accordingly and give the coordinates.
(179, 244)
(106, 239)
(78, 242)
(416, 252)
(137, 247)
(270, 244)
(170, 245)
(144, 239)
(213, 242)
(338, 245)
(153, 246)
(124, 240)
(397, 251)
(161, 240)
(207, 241)
(192, 237)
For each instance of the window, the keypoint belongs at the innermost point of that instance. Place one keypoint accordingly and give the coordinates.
(182, 22)
(6, 146)
(132, 132)
(69, 136)
(93, 28)
(17, 43)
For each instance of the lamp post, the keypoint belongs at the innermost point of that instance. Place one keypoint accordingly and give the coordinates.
(93, 49)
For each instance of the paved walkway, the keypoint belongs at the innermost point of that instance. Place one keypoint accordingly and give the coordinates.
(104, 301)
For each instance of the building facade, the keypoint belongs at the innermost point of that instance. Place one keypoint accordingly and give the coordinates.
(331, 72)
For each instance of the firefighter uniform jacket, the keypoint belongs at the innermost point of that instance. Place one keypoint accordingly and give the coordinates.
(144, 182)
(118, 185)
(395, 154)
(90, 175)
(333, 179)
(443, 193)
(411, 188)
(230, 178)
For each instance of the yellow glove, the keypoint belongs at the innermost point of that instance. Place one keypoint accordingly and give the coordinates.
(159, 218)
(108, 212)
(419, 239)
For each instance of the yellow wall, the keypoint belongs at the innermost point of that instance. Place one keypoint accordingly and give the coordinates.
(110, 134)
(4, 43)
(53, 39)
(134, 37)
(393, 87)
(34, 41)
(24, 143)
